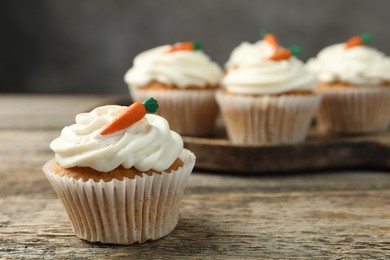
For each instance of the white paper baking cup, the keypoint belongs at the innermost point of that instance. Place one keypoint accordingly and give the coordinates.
(123, 212)
(267, 119)
(354, 109)
(189, 112)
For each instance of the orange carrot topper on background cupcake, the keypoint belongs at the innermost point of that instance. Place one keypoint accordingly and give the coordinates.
(285, 54)
(359, 40)
(134, 113)
(280, 53)
(270, 38)
(185, 46)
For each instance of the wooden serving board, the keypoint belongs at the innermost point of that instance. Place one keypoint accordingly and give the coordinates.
(318, 152)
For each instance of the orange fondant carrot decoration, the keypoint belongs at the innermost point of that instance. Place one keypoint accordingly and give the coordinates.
(185, 46)
(358, 40)
(284, 54)
(132, 114)
(354, 41)
(270, 38)
(279, 53)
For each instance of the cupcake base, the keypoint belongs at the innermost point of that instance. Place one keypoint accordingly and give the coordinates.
(354, 109)
(127, 211)
(267, 119)
(189, 112)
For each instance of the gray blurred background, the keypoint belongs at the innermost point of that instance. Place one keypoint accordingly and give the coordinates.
(86, 46)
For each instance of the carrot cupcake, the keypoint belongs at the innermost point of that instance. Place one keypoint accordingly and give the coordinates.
(120, 174)
(184, 80)
(354, 80)
(268, 94)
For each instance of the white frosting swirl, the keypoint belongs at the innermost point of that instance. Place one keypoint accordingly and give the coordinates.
(357, 65)
(147, 144)
(180, 68)
(250, 71)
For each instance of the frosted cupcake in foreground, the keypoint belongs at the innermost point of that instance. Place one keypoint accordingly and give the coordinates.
(120, 174)
(354, 81)
(268, 94)
(184, 80)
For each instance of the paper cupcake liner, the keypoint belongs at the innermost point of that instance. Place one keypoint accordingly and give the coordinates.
(189, 112)
(354, 110)
(123, 212)
(267, 119)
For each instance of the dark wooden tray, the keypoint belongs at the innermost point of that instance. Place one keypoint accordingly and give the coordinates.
(318, 152)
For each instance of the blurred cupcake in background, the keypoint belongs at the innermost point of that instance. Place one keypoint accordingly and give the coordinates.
(184, 79)
(267, 94)
(354, 80)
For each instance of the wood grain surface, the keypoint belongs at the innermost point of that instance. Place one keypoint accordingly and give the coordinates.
(300, 215)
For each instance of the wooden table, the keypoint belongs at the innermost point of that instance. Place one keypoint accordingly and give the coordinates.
(313, 215)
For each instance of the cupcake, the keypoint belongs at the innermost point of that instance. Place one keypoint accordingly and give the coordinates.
(267, 94)
(354, 81)
(184, 81)
(120, 174)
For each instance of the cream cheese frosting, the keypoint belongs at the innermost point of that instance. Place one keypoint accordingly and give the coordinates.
(359, 65)
(180, 69)
(250, 71)
(147, 144)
